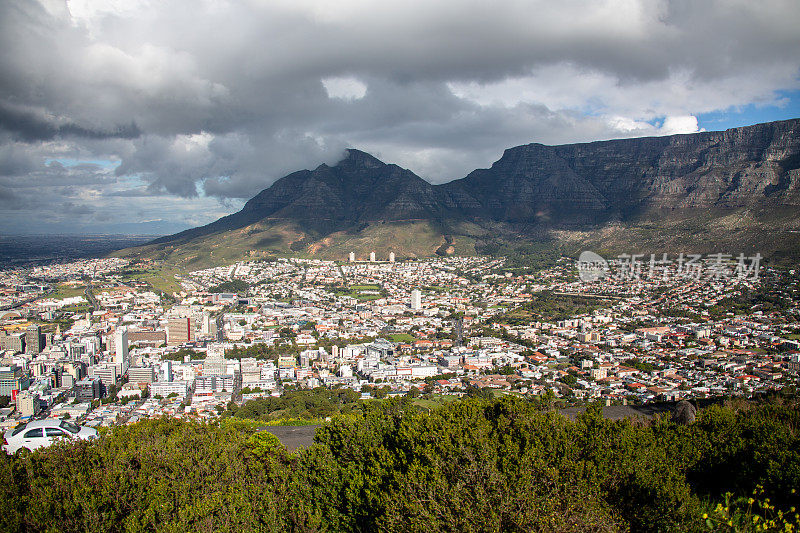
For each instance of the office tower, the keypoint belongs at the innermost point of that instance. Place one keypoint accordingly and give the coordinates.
(372, 257)
(33, 339)
(352, 257)
(179, 331)
(121, 353)
(416, 299)
(212, 326)
(166, 371)
(391, 257)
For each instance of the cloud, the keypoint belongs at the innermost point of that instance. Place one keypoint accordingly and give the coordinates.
(209, 102)
(27, 126)
(345, 88)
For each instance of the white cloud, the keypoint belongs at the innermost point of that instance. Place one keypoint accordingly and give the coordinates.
(673, 125)
(346, 88)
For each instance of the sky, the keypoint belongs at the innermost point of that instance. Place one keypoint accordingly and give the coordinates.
(146, 116)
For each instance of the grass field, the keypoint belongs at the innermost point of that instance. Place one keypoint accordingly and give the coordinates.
(401, 337)
(66, 291)
(435, 401)
(160, 276)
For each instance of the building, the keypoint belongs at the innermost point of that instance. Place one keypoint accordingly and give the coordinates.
(141, 374)
(391, 257)
(165, 388)
(166, 371)
(372, 257)
(416, 300)
(352, 257)
(179, 331)
(108, 374)
(28, 404)
(12, 378)
(214, 365)
(212, 326)
(88, 389)
(33, 339)
(14, 342)
(154, 338)
(121, 354)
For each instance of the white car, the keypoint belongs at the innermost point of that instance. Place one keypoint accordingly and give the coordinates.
(41, 433)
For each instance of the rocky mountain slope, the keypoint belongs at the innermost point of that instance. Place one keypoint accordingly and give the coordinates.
(739, 186)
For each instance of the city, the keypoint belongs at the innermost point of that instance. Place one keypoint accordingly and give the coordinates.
(89, 341)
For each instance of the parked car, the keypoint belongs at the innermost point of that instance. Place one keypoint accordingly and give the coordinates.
(42, 433)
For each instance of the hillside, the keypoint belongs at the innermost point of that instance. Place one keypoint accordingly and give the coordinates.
(471, 465)
(730, 191)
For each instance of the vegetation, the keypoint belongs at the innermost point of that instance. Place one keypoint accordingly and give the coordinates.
(261, 351)
(183, 352)
(237, 286)
(642, 366)
(307, 404)
(470, 465)
(549, 306)
(522, 258)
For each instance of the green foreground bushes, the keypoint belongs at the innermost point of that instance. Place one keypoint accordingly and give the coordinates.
(471, 465)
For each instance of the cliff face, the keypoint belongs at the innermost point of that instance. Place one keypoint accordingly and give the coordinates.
(576, 186)
(582, 184)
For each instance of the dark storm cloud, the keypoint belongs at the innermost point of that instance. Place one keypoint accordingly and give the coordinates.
(221, 98)
(26, 126)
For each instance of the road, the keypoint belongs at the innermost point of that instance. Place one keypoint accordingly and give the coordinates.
(90, 297)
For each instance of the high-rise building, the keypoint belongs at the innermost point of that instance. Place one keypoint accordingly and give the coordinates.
(12, 378)
(372, 257)
(121, 354)
(352, 257)
(212, 326)
(416, 299)
(166, 370)
(179, 331)
(33, 339)
(391, 257)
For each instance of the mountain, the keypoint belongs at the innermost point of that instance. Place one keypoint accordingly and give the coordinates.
(590, 183)
(731, 191)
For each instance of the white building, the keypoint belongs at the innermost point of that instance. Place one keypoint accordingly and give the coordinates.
(165, 388)
(416, 299)
(352, 257)
(121, 354)
(391, 257)
(372, 257)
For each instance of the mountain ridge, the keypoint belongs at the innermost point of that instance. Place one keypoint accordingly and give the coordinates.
(537, 190)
